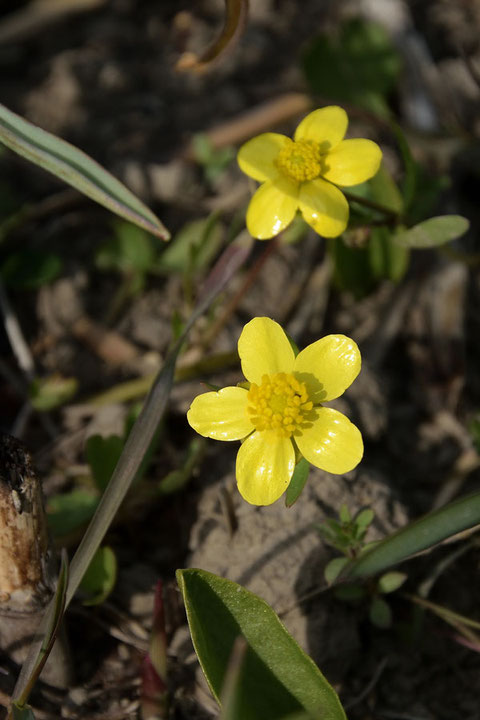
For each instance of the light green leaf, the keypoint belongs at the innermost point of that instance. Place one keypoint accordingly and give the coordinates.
(391, 581)
(277, 677)
(100, 578)
(380, 613)
(75, 168)
(433, 232)
(297, 483)
(344, 514)
(48, 393)
(418, 535)
(364, 518)
(333, 568)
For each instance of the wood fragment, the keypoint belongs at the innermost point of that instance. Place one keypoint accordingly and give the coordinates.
(26, 577)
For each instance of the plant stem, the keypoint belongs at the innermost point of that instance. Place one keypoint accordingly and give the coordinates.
(392, 214)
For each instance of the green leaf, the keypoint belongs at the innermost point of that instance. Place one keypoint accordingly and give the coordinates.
(418, 535)
(433, 232)
(277, 677)
(384, 190)
(364, 518)
(69, 511)
(333, 568)
(297, 483)
(130, 249)
(48, 393)
(359, 65)
(351, 268)
(177, 479)
(344, 514)
(30, 269)
(380, 613)
(391, 581)
(100, 578)
(193, 247)
(75, 168)
(387, 258)
(102, 455)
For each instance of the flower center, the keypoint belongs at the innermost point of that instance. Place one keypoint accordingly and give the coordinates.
(279, 403)
(300, 160)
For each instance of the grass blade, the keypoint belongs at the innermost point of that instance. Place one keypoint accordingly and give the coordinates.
(77, 169)
(419, 535)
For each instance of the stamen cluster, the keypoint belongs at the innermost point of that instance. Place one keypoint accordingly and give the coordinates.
(279, 403)
(300, 160)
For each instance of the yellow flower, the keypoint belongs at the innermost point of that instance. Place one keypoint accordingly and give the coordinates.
(282, 409)
(301, 174)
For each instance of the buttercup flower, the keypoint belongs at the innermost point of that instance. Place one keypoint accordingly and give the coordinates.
(282, 409)
(301, 174)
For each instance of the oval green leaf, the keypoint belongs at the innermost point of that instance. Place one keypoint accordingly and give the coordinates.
(391, 581)
(417, 536)
(77, 169)
(101, 575)
(277, 677)
(433, 232)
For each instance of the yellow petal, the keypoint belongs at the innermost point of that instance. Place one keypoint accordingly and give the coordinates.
(326, 127)
(265, 465)
(352, 162)
(272, 208)
(332, 443)
(221, 415)
(324, 207)
(264, 349)
(256, 157)
(328, 367)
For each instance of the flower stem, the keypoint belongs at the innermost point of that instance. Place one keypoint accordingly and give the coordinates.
(391, 214)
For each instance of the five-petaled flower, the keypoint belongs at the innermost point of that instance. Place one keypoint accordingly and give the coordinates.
(282, 411)
(302, 174)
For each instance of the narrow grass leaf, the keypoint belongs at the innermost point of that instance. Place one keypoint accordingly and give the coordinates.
(47, 633)
(417, 536)
(276, 676)
(77, 169)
